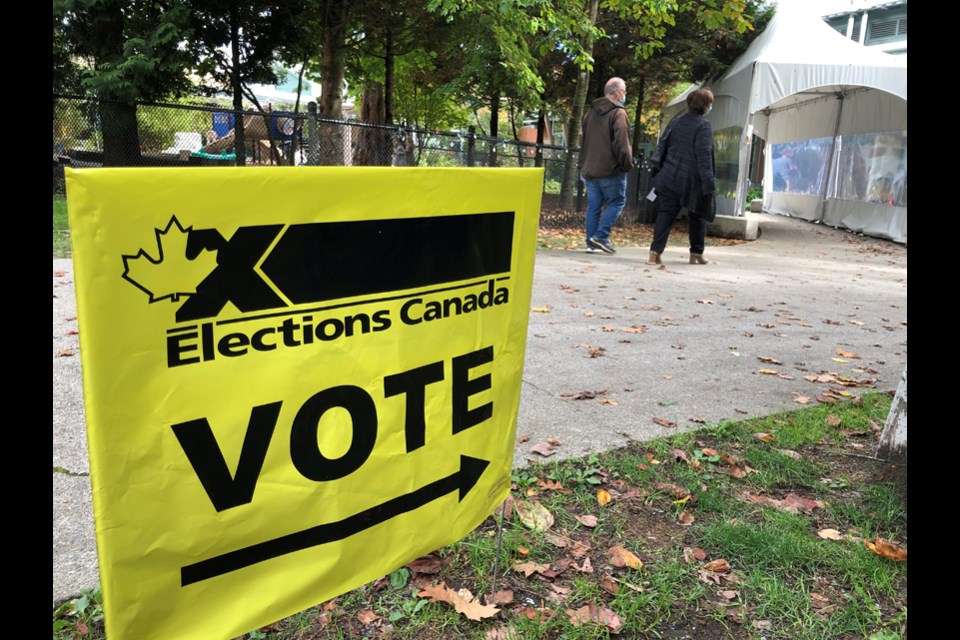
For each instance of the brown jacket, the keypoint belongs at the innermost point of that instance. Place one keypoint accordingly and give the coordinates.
(606, 148)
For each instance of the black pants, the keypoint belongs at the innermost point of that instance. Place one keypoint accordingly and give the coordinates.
(667, 215)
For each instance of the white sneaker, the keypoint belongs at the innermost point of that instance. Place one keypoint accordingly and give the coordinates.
(592, 250)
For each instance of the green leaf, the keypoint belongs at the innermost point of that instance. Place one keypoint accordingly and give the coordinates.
(398, 579)
(667, 403)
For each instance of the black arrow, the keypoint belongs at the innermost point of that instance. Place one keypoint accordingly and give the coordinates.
(470, 471)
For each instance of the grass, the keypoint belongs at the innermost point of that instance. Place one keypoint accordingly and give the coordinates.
(714, 499)
(61, 228)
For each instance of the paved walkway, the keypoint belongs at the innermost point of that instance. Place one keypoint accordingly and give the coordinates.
(683, 345)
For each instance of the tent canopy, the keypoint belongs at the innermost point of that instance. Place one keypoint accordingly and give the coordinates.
(801, 80)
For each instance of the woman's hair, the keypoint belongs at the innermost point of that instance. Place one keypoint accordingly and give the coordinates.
(699, 100)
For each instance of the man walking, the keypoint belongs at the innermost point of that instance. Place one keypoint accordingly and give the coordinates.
(606, 157)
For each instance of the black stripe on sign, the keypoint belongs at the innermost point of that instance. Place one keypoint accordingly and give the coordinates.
(330, 260)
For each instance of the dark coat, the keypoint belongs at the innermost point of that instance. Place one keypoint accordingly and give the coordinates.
(686, 165)
(606, 148)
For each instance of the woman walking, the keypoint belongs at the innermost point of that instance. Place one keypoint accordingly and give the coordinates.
(686, 177)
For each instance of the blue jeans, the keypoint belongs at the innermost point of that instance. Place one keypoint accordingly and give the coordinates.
(606, 196)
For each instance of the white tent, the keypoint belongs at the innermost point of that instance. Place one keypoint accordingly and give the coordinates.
(802, 87)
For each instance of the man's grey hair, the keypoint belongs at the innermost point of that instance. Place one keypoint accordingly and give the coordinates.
(614, 84)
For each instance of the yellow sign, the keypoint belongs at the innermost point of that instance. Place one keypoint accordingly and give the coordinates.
(296, 379)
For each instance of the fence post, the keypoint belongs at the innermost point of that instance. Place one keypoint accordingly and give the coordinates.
(313, 141)
(471, 145)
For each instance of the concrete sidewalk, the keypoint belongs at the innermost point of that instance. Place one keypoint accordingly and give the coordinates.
(684, 344)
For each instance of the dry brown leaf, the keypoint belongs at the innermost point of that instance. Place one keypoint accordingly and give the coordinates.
(694, 554)
(621, 557)
(603, 497)
(790, 454)
(833, 420)
(608, 329)
(664, 422)
(608, 401)
(534, 515)
(543, 449)
(502, 633)
(586, 567)
(530, 568)
(608, 584)
(887, 549)
(769, 360)
(468, 606)
(437, 593)
(366, 616)
(676, 491)
(799, 399)
(501, 597)
(803, 504)
(425, 564)
(830, 534)
(556, 540)
(540, 309)
(768, 372)
(766, 437)
(587, 520)
(580, 549)
(64, 353)
(685, 518)
(590, 613)
(554, 442)
(848, 354)
(523, 439)
(728, 594)
(717, 566)
(634, 329)
(596, 352)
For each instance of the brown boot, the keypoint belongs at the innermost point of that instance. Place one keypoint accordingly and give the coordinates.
(697, 258)
(654, 258)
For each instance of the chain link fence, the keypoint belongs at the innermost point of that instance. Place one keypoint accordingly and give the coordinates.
(91, 133)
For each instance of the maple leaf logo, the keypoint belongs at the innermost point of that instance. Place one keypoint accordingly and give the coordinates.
(171, 274)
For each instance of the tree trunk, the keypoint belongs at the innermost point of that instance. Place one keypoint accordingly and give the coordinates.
(638, 135)
(893, 439)
(570, 169)
(494, 126)
(333, 64)
(239, 143)
(121, 138)
(373, 145)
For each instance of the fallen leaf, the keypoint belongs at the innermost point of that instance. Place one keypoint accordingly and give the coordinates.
(590, 613)
(790, 454)
(540, 309)
(534, 515)
(596, 352)
(608, 401)
(634, 329)
(425, 564)
(728, 594)
(470, 607)
(366, 616)
(803, 504)
(437, 593)
(530, 568)
(717, 566)
(833, 420)
(523, 439)
(64, 353)
(694, 554)
(697, 420)
(587, 520)
(766, 437)
(621, 557)
(685, 518)
(840, 360)
(887, 549)
(830, 534)
(769, 360)
(676, 491)
(543, 449)
(502, 633)
(768, 372)
(603, 497)
(664, 422)
(586, 567)
(608, 584)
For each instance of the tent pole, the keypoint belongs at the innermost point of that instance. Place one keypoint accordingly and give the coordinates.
(831, 168)
(743, 172)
